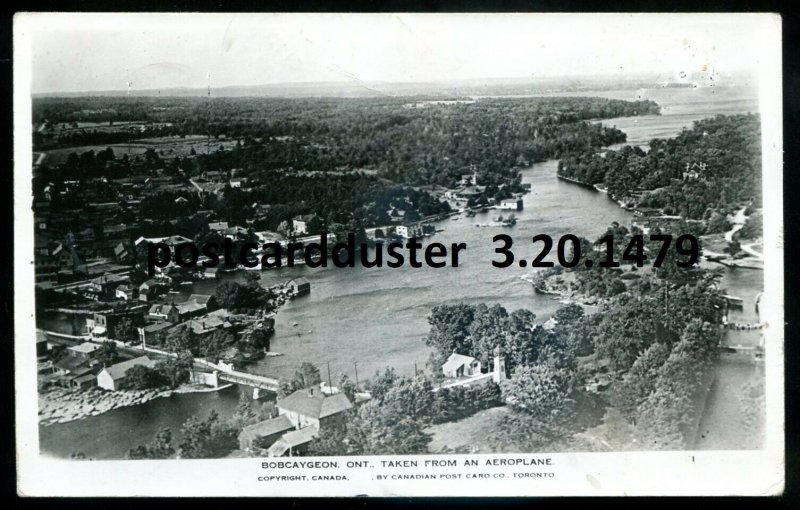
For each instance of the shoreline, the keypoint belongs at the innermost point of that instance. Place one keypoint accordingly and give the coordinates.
(62, 405)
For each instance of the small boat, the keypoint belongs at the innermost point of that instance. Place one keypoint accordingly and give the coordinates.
(273, 354)
(294, 324)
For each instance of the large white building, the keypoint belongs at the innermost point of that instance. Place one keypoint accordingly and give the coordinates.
(113, 377)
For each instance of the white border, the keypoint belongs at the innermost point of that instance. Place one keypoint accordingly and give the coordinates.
(647, 473)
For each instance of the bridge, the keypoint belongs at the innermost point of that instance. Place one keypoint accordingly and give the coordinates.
(258, 382)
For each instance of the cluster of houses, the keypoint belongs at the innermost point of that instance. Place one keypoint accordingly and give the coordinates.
(81, 367)
(299, 419)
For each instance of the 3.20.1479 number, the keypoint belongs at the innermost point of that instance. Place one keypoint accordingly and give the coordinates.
(635, 251)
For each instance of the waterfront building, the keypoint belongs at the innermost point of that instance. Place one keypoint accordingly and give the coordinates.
(264, 432)
(300, 286)
(513, 204)
(409, 231)
(294, 443)
(113, 378)
(311, 406)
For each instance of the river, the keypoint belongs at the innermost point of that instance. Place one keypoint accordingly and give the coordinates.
(366, 319)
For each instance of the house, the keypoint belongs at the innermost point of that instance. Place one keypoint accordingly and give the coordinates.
(207, 324)
(62, 257)
(84, 351)
(154, 333)
(164, 312)
(204, 299)
(218, 226)
(300, 224)
(213, 176)
(181, 201)
(126, 292)
(141, 244)
(150, 290)
(123, 252)
(294, 442)
(300, 286)
(103, 324)
(469, 179)
(190, 309)
(513, 204)
(106, 284)
(310, 406)
(264, 432)
(113, 377)
(408, 231)
(458, 365)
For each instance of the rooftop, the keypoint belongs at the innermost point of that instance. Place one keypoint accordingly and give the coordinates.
(455, 361)
(268, 427)
(313, 403)
(85, 348)
(118, 371)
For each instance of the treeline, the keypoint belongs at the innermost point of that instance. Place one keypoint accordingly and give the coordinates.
(713, 167)
(432, 145)
(393, 422)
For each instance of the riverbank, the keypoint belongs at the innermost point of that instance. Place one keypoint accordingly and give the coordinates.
(60, 405)
(560, 286)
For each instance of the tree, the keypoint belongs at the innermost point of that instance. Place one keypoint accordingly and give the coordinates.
(125, 331)
(305, 376)
(141, 377)
(181, 339)
(159, 448)
(449, 330)
(214, 344)
(382, 382)
(487, 331)
(175, 371)
(207, 439)
(539, 390)
(229, 294)
(520, 347)
(640, 380)
(258, 338)
(108, 353)
(244, 414)
(348, 387)
(568, 314)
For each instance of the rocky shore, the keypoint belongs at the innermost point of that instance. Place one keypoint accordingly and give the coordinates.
(60, 405)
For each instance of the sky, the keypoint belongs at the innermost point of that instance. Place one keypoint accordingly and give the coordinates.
(85, 52)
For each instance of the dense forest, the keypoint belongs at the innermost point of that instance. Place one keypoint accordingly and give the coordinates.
(350, 161)
(713, 167)
(405, 144)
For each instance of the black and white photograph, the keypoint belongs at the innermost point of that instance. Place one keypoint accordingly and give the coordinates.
(412, 254)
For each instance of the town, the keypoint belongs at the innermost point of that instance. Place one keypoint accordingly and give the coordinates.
(125, 319)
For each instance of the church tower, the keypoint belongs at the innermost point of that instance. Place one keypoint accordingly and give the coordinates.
(499, 372)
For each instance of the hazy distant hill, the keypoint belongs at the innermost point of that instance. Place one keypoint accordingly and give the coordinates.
(485, 86)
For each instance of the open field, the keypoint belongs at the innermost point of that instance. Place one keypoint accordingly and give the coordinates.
(165, 146)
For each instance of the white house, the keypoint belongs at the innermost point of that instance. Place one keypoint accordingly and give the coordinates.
(300, 223)
(408, 231)
(458, 365)
(514, 204)
(113, 377)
